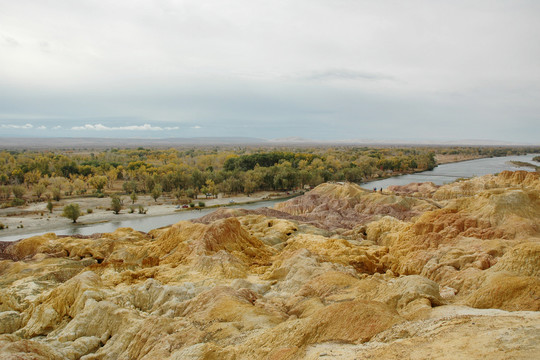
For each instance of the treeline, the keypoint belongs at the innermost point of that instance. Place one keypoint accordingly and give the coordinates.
(36, 176)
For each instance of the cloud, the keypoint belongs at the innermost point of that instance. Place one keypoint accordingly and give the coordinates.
(345, 74)
(196, 127)
(42, 127)
(145, 127)
(11, 126)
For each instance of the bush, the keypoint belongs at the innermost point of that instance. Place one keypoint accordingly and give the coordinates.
(142, 210)
(18, 191)
(56, 193)
(131, 209)
(2, 226)
(116, 204)
(17, 202)
(72, 211)
(202, 204)
(89, 211)
(50, 206)
(191, 205)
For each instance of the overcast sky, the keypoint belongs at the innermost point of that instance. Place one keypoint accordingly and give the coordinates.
(318, 69)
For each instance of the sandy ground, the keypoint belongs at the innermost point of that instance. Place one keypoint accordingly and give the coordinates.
(36, 218)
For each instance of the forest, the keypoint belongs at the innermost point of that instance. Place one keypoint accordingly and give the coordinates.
(184, 173)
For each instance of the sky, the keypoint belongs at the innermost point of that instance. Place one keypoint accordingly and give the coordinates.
(317, 69)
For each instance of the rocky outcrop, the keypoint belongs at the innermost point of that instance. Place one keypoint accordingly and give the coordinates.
(337, 273)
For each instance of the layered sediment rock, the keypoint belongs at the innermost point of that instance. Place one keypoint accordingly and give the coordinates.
(337, 273)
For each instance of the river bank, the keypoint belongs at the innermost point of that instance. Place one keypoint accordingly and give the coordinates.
(35, 218)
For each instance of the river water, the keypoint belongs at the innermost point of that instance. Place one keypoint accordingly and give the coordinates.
(143, 223)
(442, 174)
(447, 173)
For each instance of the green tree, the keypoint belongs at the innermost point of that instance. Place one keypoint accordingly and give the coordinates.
(5, 192)
(133, 197)
(116, 204)
(98, 182)
(18, 191)
(157, 192)
(39, 190)
(56, 193)
(50, 206)
(72, 211)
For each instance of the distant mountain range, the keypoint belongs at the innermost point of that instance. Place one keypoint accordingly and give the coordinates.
(91, 142)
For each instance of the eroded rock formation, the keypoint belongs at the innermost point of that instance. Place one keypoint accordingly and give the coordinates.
(425, 272)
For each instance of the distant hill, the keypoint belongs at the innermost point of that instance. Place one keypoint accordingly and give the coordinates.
(100, 143)
(81, 143)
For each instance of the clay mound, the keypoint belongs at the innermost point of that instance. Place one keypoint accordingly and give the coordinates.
(425, 189)
(344, 206)
(523, 259)
(476, 334)
(66, 300)
(350, 322)
(519, 178)
(507, 292)
(185, 241)
(27, 248)
(265, 285)
(223, 213)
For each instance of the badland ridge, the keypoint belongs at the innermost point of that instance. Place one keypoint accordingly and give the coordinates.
(417, 271)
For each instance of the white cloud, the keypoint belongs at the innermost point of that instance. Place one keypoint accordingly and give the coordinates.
(196, 127)
(145, 127)
(42, 127)
(11, 126)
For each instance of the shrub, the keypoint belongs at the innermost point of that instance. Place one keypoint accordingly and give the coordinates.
(131, 209)
(133, 197)
(142, 210)
(17, 202)
(157, 191)
(191, 205)
(72, 211)
(50, 206)
(56, 193)
(18, 191)
(2, 226)
(89, 211)
(116, 204)
(202, 204)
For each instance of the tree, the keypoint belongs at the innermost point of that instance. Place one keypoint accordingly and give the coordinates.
(39, 190)
(116, 204)
(130, 186)
(50, 206)
(133, 197)
(98, 182)
(5, 192)
(18, 191)
(56, 193)
(156, 192)
(72, 211)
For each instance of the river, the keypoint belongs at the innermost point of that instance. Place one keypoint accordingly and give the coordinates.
(144, 223)
(442, 174)
(447, 173)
